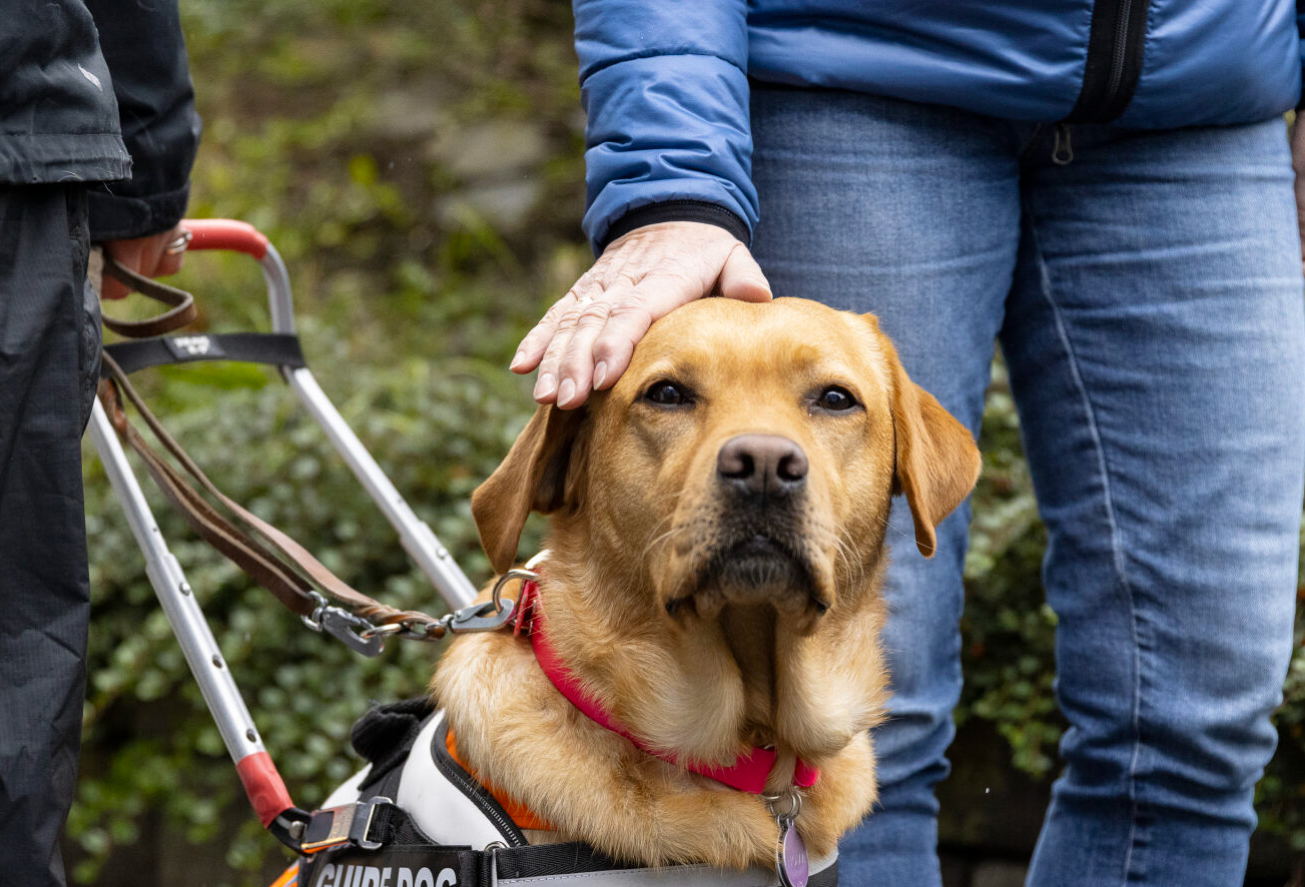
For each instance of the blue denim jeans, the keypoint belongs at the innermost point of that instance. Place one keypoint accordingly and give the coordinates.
(1147, 298)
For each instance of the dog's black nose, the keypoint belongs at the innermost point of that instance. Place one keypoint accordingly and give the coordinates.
(762, 463)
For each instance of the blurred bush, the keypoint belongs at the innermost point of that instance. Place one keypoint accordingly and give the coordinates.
(438, 426)
(419, 165)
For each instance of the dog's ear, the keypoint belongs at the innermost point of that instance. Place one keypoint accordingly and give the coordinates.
(538, 474)
(937, 462)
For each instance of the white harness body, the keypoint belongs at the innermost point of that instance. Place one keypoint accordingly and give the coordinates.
(452, 808)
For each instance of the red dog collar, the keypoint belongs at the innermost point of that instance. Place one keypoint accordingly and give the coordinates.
(747, 774)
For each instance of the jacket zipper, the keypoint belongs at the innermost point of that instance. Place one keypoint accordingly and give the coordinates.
(1117, 57)
(1114, 60)
(1062, 150)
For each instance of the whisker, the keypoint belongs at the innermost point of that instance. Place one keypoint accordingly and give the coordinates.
(663, 537)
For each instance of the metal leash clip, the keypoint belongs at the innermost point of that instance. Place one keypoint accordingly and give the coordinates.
(369, 638)
(354, 631)
(472, 618)
(494, 613)
(489, 616)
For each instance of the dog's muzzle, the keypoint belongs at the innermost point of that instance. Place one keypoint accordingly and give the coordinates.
(756, 551)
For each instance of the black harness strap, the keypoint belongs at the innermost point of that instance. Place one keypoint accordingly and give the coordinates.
(544, 860)
(278, 349)
(392, 826)
(407, 867)
(403, 844)
(472, 868)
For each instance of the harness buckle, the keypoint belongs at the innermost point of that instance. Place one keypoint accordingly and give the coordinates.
(347, 824)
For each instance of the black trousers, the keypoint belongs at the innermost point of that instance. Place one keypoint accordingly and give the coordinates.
(49, 359)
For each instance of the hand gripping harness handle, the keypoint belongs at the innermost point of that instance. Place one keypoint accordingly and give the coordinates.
(228, 234)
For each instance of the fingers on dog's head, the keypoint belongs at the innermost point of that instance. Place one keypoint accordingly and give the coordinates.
(541, 473)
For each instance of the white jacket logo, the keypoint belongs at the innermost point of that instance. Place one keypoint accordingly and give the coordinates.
(383, 876)
(193, 346)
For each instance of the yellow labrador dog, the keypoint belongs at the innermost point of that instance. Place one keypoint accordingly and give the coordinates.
(716, 534)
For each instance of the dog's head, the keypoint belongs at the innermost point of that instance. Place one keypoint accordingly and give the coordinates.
(747, 457)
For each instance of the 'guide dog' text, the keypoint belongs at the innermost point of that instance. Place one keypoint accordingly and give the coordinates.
(387, 876)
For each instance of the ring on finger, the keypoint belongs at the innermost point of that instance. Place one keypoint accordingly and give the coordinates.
(178, 244)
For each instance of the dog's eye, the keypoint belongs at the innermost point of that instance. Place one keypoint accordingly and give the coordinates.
(836, 399)
(666, 394)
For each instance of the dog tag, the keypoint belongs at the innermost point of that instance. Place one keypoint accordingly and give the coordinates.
(791, 855)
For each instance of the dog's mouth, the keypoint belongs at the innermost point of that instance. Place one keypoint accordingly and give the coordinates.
(753, 568)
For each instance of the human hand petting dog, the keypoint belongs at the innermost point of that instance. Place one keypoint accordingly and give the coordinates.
(152, 256)
(585, 340)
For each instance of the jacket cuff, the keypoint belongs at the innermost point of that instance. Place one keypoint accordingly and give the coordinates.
(118, 217)
(678, 211)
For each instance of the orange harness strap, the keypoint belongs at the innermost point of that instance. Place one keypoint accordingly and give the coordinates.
(522, 815)
(289, 877)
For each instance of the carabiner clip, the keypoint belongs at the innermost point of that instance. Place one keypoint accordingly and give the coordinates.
(353, 630)
(347, 627)
(473, 618)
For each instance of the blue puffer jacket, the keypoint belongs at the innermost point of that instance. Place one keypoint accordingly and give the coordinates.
(665, 83)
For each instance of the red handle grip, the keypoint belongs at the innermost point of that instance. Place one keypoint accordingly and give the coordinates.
(267, 793)
(241, 237)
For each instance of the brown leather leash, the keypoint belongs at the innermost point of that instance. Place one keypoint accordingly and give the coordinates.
(267, 555)
(182, 303)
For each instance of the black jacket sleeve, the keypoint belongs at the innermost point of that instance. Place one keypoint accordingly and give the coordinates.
(146, 55)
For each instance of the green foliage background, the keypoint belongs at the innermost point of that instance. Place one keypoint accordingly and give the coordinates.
(419, 166)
